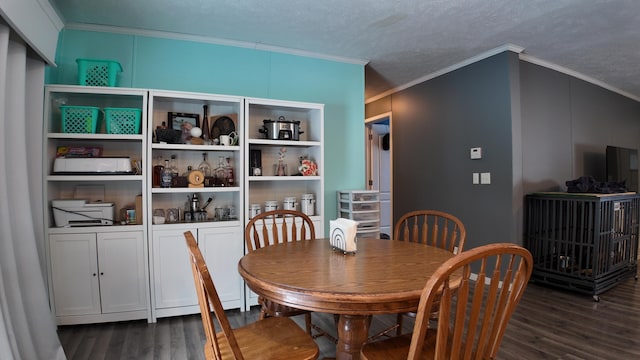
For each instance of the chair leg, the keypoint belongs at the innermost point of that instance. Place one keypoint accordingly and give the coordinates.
(263, 314)
(307, 323)
(399, 322)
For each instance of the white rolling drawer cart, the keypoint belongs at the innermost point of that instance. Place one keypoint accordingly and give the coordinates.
(362, 206)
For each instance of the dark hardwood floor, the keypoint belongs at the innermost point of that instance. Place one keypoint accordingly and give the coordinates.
(548, 324)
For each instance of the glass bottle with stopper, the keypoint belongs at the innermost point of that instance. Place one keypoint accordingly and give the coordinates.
(173, 166)
(204, 165)
(166, 175)
(221, 172)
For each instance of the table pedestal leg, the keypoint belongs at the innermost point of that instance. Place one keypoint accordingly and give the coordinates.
(353, 331)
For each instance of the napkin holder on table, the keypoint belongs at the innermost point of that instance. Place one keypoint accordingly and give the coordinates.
(343, 235)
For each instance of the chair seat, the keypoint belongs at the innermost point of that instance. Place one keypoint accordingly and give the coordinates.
(286, 341)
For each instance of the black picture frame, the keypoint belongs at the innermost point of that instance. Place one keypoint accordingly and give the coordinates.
(176, 119)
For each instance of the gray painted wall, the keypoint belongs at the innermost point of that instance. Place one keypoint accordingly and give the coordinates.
(537, 128)
(567, 124)
(435, 124)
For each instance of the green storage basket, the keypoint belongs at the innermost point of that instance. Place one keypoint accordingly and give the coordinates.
(79, 119)
(94, 72)
(122, 120)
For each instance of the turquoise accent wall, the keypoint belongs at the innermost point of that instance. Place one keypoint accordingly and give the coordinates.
(162, 63)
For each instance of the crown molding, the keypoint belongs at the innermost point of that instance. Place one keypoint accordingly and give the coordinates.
(469, 61)
(210, 40)
(577, 75)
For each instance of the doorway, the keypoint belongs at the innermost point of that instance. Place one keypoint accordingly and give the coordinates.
(378, 150)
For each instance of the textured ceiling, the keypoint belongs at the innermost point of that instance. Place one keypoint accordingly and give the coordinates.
(400, 40)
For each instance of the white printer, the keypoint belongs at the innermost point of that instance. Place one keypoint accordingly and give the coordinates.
(70, 213)
(92, 165)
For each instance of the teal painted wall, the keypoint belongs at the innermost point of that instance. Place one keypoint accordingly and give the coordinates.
(162, 63)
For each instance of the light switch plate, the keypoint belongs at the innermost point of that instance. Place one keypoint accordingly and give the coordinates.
(485, 178)
(476, 178)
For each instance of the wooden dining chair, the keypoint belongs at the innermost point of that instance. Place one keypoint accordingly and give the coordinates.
(272, 339)
(278, 226)
(477, 292)
(274, 227)
(429, 227)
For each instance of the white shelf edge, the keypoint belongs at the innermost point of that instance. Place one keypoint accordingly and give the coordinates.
(69, 136)
(161, 146)
(200, 224)
(107, 90)
(95, 229)
(267, 142)
(174, 190)
(81, 178)
(283, 178)
(270, 103)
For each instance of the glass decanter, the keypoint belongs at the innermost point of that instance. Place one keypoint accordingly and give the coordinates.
(221, 172)
(204, 165)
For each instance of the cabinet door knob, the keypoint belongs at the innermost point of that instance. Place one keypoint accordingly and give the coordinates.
(94, 274)
(101, 273)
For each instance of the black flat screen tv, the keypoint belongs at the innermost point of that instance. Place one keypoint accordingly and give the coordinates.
(622, 165)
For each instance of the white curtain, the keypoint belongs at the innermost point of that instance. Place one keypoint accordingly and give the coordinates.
(27, 327)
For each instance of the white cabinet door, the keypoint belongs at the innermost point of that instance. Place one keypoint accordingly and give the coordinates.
(74, 273)
(222, 249)
(121, 265)
(173, 280)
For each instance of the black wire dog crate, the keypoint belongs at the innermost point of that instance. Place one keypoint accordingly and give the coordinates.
(582, 242)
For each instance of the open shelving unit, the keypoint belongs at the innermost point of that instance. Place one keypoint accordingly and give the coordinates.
(89, 281)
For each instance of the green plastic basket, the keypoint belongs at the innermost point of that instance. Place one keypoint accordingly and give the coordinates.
(79, 119)
(94, 72)
(122, 120)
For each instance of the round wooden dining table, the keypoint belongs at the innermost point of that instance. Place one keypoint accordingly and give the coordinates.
(382, 277)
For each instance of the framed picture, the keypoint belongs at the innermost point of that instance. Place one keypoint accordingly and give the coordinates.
(176, 120)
